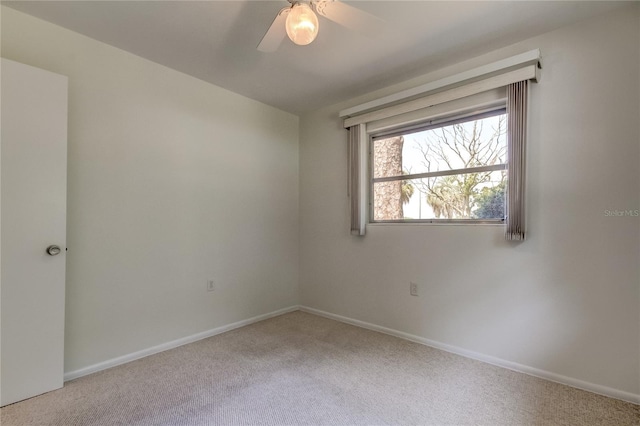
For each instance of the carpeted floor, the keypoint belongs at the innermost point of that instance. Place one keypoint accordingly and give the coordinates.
(299, 369)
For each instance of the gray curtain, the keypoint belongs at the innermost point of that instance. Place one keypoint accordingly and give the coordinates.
(357, 227)
(517, 94)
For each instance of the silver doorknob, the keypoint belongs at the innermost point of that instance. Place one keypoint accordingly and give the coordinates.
(53, 250)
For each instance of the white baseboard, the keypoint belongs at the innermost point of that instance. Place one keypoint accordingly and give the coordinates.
(591, 387)
(569, 381)
(170, 345)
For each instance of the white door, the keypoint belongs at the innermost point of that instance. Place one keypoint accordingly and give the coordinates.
(33, 198)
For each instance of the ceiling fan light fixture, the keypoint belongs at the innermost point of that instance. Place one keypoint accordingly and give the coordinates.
(302, 24)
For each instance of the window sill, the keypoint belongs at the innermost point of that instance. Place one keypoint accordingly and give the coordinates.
(439, 222)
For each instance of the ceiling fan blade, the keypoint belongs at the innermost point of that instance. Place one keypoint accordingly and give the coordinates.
(349, 17)
(276, 33)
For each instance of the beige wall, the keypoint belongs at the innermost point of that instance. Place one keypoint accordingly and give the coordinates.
(566, 301)
(171, 182)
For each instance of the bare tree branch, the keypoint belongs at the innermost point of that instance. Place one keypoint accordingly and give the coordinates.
(461, 145)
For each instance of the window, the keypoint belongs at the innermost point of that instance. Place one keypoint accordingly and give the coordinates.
(385, 182)
(454, 170)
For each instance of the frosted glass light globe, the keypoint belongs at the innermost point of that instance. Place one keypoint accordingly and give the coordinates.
(302, 24)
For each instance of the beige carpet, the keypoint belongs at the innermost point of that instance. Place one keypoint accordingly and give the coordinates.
(303, 369)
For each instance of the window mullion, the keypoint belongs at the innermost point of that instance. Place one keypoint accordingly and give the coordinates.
(491, 168)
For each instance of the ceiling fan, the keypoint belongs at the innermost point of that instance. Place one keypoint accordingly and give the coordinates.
(300, 22)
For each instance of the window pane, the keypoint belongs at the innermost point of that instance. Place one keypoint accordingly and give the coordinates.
(474, 143)
(462, 196)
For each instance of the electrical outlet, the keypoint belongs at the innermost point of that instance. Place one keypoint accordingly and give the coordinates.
(211, 285)
(413, 289)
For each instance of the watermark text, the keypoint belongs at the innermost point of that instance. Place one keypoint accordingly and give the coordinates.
(622, 213)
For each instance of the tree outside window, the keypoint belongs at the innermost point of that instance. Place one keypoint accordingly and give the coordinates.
(453, 171)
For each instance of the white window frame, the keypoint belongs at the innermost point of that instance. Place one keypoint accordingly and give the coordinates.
(427, 124)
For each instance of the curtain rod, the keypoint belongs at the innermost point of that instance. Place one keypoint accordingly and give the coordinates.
(526, 58)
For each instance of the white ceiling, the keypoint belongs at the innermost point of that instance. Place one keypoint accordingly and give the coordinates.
(216, 41)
